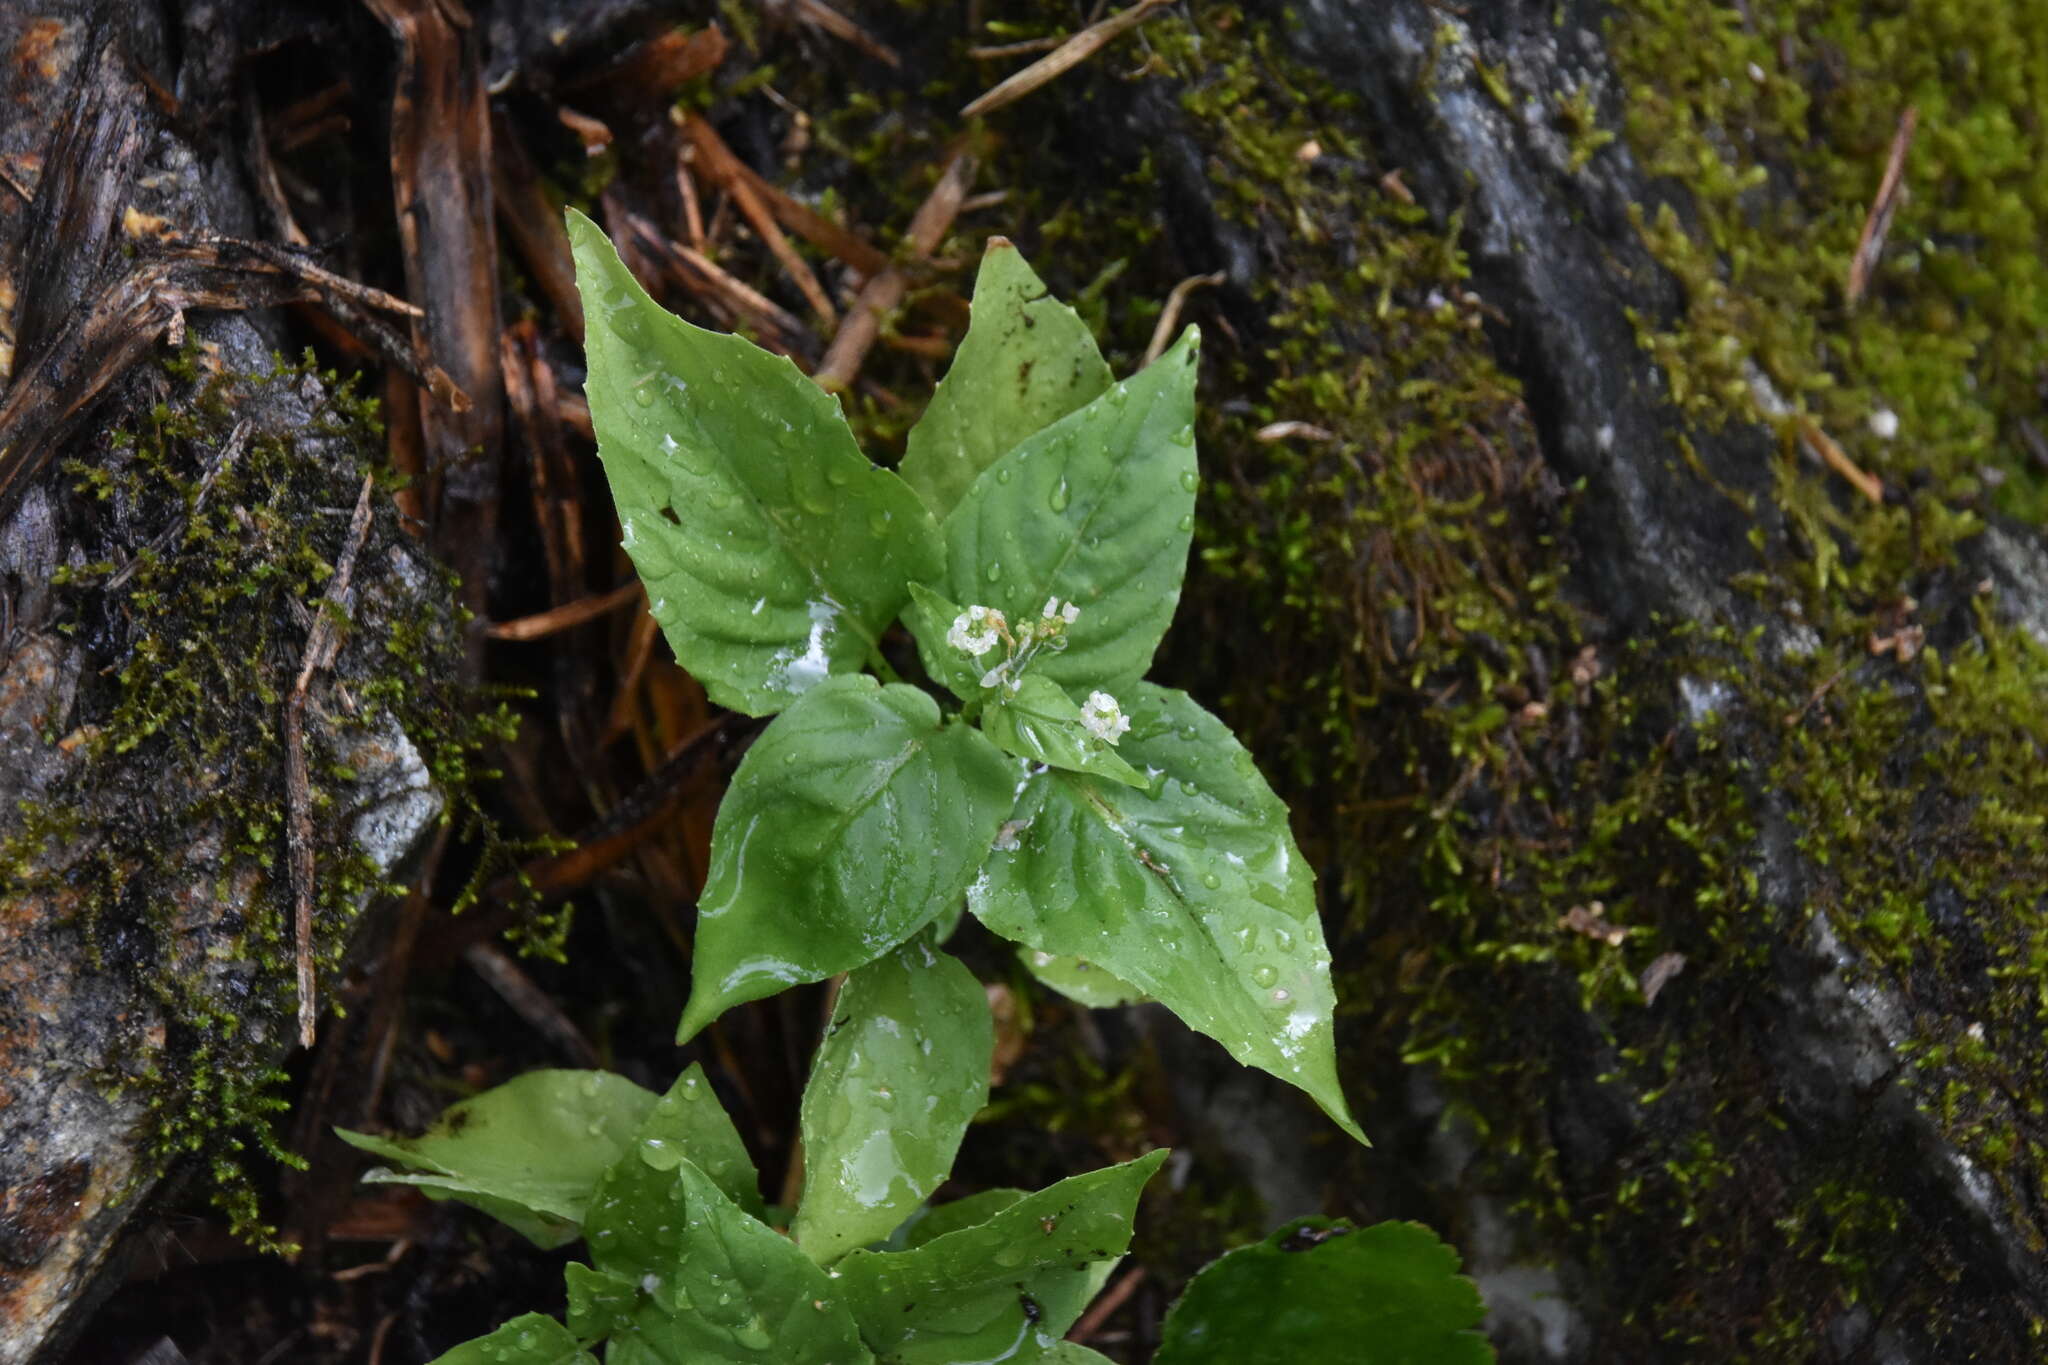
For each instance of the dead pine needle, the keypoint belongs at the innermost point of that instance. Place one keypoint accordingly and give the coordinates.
(321, 642)
(1063, 58)
(1891, 190)
(1837, 459)
(1169, 316)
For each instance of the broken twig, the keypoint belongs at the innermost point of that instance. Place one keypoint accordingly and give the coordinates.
(321, 642)
(1064, 58)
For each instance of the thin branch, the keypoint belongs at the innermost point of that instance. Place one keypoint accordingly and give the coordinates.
(1063, 59)
(321, 643)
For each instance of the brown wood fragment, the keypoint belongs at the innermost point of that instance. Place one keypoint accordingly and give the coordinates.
(884, 293)
(567, 616)
(531, 1003)
(725, 169)
(535, 225)
(440, 174)
(822, 15)
(648, 76)
(1063, 59)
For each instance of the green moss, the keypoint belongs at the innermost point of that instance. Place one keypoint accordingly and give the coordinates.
(176, 793)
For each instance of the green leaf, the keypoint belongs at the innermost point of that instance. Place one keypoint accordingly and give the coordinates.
(773, 551)
(903, 1068)
(1322, 1290)
(1074, 1353)
(1027, 361)
(527, 1152)
(964, 1212)
(1040, 722)
(853, 822)
(535, 1339)
(689, 1123)
(715, 1286)
(600, 1301)
(1193, 892)
(1096, 509)
(1080, 980)
(1004, 1289)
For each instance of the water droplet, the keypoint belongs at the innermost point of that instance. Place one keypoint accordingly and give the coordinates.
(1010, 1257)
(753, 1335)
(993, 573)
(1190, 480)
(1003, 475)
(643, 394)
(878, 524)
(1211, 880)
(1281, 997)
(1058, 500)
(1187, 523)
(1263, 977)
(836, 477)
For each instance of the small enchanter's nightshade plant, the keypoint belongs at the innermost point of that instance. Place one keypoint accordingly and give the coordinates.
(1033, 546)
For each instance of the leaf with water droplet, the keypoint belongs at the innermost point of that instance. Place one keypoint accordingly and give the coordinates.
(882, 1117)
(723, 1287)
(535, 1339)
(743, 485)
(1121, 878)
(826, 864)
(689, 1123)
(1320, 1289)
(1027, 361)
(1040, 722)
(959, 1296)
(1091, 510)
(527, 1152)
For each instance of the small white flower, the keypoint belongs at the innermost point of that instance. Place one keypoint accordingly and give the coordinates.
(1884, 424)
(1104, 718)
(1052, 608)
(1070, 613)
(996, 674)
(974, 631)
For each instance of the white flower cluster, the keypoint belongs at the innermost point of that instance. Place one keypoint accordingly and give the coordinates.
(976, 630)
(1104, 718)
(979, 629)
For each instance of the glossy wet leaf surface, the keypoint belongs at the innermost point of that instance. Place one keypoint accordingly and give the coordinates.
(715, 1286)
(527, 1152)
(1321, 1290)
(1096, 509)
(773, 551)
(1193, 892)
(853, 822)
(688, 1123)
(903, 1068)
(1003, 1289)
(535, 1339)
(1040, 722)
(1027, 361)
